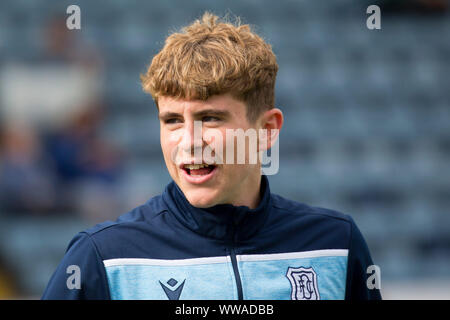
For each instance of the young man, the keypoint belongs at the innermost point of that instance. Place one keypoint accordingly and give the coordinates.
(217, 231)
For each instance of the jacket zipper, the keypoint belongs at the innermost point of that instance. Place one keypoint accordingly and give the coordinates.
(236, 273)
(234, 263)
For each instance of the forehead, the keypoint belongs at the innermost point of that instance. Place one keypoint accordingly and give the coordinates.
(219, 102)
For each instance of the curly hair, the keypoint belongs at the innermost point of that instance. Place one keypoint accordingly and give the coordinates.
(212, 57)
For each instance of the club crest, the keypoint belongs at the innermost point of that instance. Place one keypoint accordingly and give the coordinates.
(303, 283)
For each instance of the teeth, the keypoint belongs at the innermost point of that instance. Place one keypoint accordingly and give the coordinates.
(195, 166)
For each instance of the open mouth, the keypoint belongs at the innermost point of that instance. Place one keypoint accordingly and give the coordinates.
(198, 170)
(198, 173)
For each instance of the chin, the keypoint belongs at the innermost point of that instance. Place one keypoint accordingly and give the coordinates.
(201, 199)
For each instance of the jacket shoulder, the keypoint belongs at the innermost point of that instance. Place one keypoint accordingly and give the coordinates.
(294, 208)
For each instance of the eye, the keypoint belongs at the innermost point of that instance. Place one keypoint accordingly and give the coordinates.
(172, 120)
(210, 118)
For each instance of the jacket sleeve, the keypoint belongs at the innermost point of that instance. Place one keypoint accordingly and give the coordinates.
(359, 260)
(80, 275)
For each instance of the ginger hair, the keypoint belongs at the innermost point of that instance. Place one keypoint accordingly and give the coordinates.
(213, 57)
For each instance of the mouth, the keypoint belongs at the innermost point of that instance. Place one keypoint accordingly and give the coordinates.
(198, 173)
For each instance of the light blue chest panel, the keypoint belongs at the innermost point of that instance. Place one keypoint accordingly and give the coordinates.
(309, 275)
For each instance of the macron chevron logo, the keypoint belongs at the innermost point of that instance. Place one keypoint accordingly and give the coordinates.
(172, 293)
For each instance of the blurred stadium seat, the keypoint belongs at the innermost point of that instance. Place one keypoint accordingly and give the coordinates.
(367, 119)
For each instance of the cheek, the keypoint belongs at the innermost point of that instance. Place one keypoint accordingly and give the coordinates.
(165, 146)
(168, 146)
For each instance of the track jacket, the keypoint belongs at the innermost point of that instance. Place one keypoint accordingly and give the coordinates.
(168, 249)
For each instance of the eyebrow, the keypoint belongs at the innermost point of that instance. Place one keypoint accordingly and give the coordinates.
(198, 114)
(168, 115)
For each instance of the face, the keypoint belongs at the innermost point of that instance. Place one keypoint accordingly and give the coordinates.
(191, 154)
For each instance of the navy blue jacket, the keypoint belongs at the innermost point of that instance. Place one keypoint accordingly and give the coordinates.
(168, 249)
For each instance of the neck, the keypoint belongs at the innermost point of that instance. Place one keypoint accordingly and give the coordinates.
(250, 194)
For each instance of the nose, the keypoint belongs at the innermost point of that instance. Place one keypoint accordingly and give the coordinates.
(192, 138)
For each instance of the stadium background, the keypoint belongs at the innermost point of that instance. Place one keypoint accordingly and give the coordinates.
(367, 125)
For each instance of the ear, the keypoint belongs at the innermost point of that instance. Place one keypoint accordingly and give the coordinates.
(271, 122)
